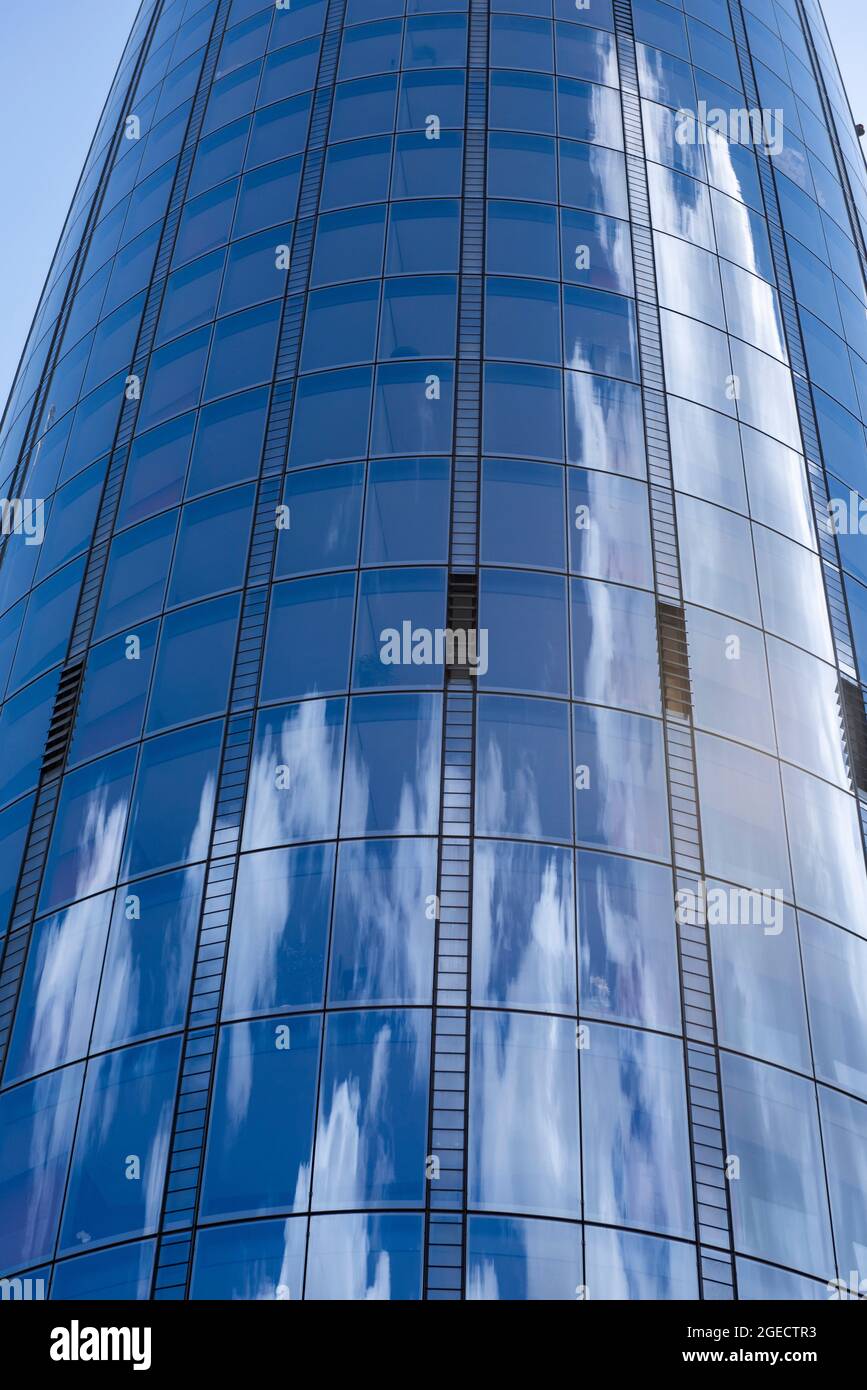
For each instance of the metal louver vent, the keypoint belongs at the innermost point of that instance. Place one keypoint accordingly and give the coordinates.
(60, 728)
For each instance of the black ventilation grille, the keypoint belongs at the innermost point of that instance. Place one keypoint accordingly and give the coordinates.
(676, 694)
(856, 728)
(462, 613)
(60, 728)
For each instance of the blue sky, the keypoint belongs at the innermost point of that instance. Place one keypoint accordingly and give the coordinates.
(57, 59)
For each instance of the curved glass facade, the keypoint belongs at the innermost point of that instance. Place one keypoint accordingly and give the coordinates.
(432, 604)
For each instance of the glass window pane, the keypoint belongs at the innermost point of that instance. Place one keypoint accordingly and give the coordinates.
(294, 787)
(392, 775)
(757, 978)
(627, 950)
(511, 1259)
(121, 1274)
(636, 1137)
(742, 816)
(309, 637)
(625, 1265)
(620, 789)
(382, 940)
(261, 1260)
(279, 935)
(170, 817)
(261, 1129)
(523, 938)
(523, 768)
(146, 977)
(524, 1150)
(37, 1123)
(835, 970)
(121, 1145)
(779, 1204)
(58, 994)
(374, 1104)
(194, 663)
(358, 1257)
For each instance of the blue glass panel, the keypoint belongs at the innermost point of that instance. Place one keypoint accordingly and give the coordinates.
(523, 927)
(37, 1122)
(228, 441)
(757, 980)
(146, 977)
(627, 951)
(88, 831)
(624, 672)
(256, 269)
(122, 1274)
(259, 1143)
(278, 130)
(364, 107)
(635, 1131)
(523, 769)
(309, 637)
(356, 172)
(596, 250)
(170, 817)
(261, 1260)
(844, 1130)
(268, 196)
(330, 419)
(358, 1257)
(156, 470)
(191, 296)
(54, 1017)
(511, 1259)
(399, 613)
(835, 971)
(413, 408)
(603, 543)
(278, 942)
(121, 1145)
(760, 1282)
(422, 237)
(523, 411)
(23, 726)
(422, 166)
(174, 379)
(44, 635)
(524, 1150)
(348, 245)
(114, 691)
(522, 514)
(294, 788)
(620, 790)
(373, 1101)
(243, 350)
(14, 824)
(211, 552)
(533, 605)
(779, 1203)
(522, 239)
(341, 326)
(194, 663)
(392, 774)
(418, 317)
(625, 1265)
(522, 320)
(406, 511)
(382, 934)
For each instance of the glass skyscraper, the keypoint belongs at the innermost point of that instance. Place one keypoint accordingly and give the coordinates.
(433, 611)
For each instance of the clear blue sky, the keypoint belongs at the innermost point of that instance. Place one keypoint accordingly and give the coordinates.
(57, 59)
